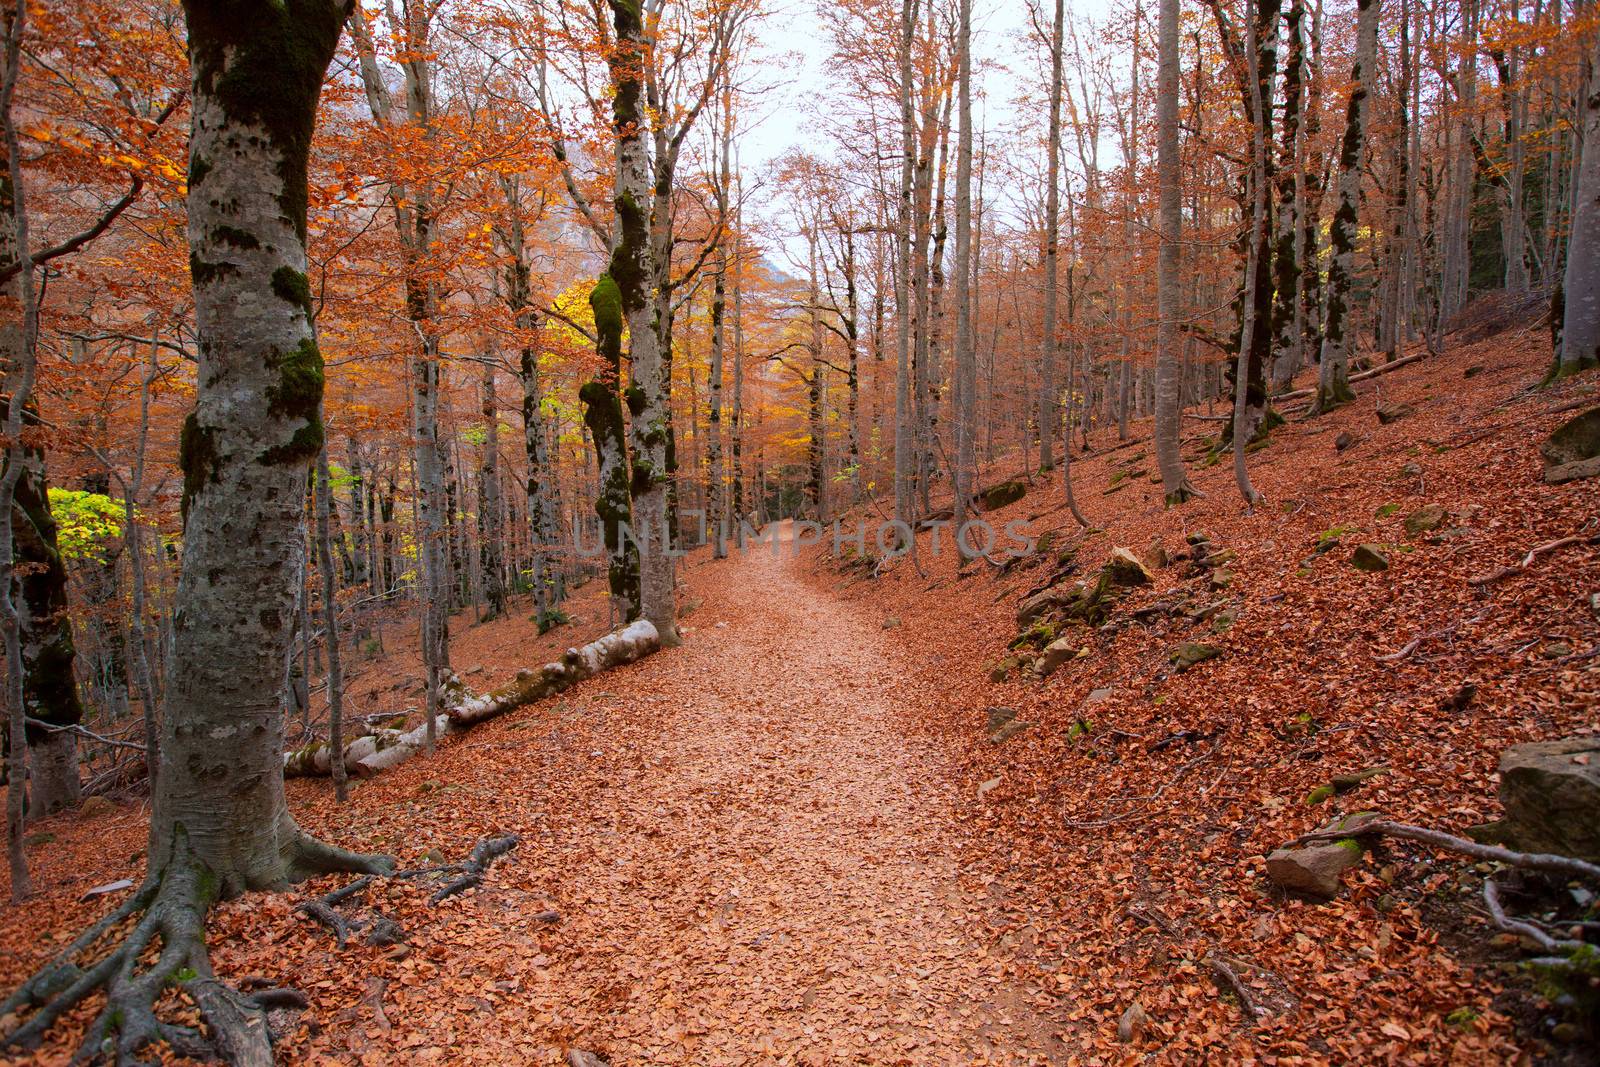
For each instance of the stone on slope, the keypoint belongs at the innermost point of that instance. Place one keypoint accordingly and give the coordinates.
(1191, 653)
(1124, 569)
(1393, 412)
(1008, 731)
(1576, 439)
(1314, 869)
(1425, 519)
(998, 496)
(1551, 794)
(1055, 654)
(1369, 558)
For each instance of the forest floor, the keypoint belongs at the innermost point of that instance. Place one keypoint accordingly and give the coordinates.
(792, 840)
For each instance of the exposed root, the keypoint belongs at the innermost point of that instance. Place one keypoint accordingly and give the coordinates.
(1499, 573)
(1534, 861)
(470, 873)
(168, 917)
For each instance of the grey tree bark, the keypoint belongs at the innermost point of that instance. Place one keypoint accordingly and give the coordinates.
(966, 371)
(1580, 316)
(1333, 387)
(1052, 250)
(1174, 482)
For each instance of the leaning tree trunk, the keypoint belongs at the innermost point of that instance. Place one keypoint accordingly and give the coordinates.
(1169, 411)
(219, 823)
(1580, 317)
(1333, 388)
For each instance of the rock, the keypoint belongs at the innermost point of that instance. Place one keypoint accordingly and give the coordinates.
(1155, 557)
(1550, 791)
(1314, 869)
(1124, 569)
(1319, 794)
(1221, 579)
(1577, 470)
(1343, 441)
(1008, 731)
(998, 496)
(1191, 653)
(1556, 650)
(579, 1058)
(1427, 518)
(1199, 537)
(1566, 1033)
(1220, 559)
(1594, 604)
(1132, 1023)
(95, 806)
(1223, 621)
(1369, 558)
(1055, 654)
(985, 788)
(1576, 439)
(1096, 696)
(1411, 470)
(1394, 412)
(998, 717)
(549, 915)
(1002, 670)
(1473, 371)
(892, 622)
(1040, 603)
(476, 668)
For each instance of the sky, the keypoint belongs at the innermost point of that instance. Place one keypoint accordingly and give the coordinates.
(794, 51)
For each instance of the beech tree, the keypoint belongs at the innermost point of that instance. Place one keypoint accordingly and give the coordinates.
(1333, 383)
(219, 824)
(1579, 345)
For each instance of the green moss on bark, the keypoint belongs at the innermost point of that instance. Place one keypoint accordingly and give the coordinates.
(263, 63)
(197, 456)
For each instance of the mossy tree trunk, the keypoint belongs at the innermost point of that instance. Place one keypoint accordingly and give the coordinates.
(543, 525)
(1287, 348)
(631, 274)
(49, 688)
(1333, 386)
(1580, 315)
(38, 577)
(247, 447)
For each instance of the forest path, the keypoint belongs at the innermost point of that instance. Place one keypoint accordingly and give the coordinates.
(775, 874)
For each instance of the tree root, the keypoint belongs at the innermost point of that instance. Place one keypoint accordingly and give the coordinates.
(469, 874)
(169, 909)
(382, 930)
(1499, 573)
(1533, 861)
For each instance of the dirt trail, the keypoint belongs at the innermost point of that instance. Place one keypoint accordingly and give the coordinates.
(776, 878)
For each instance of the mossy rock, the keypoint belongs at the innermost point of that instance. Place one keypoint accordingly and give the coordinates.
(1369, 558)
(999, 496)
(1394, 413)
(1124, 570)
(1425, 519)
(1319, 794)
(1192, 653)
(1576, 439)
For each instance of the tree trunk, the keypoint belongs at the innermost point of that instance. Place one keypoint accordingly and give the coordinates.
(1333, 388)
(1580, 315)
(1052, 250)
(1174, 482)
(966, 371)
(631, 275)
(246, 448)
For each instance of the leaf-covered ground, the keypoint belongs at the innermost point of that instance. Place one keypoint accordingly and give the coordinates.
(791, 840)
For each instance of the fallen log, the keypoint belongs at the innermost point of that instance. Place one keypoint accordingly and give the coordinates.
(375, 752)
